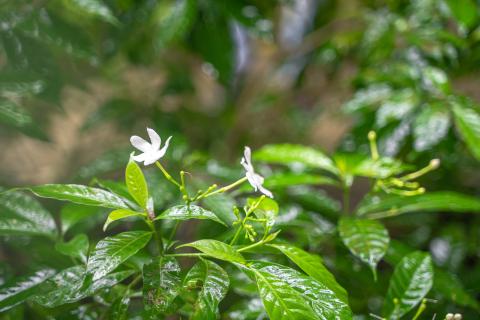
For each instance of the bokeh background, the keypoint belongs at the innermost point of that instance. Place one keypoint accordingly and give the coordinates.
(78, 78)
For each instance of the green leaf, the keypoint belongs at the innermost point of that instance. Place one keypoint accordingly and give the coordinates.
(283, 180)
(22, 214)
(292, 153)
(313, 266)
(393, 205)
(136, 183)
(80, 194)
(12, 294)
(410, 283)
(216, 249)
(214, 284)
(363, 166)
(184, 212)
(267, 209)
(94, 8)
(173, 19)
(222, 205)
(18, 118)
(111, 252)
(161, 285)
(73, 213)
(366, 239)
(396, 107)
(77, 247)
(467, 121)
(285, 295)
(464, 11)
(69, 286)
(121, 214)
(430, 126)
(119, 308)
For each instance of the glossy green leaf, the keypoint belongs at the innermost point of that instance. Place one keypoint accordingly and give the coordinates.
(213, 283)
(363, 166)
(430, 127)
(412, 279)
(291, 153)
(184, 212)
(69, 286)
(80, 194)
(94, 8)
(216, 249)
(111, 252)
(222, 205)
(465, 11)
(72, 214)
(467, 121)
(22, 214)
(16, 292)
(283, 180)
(121, 214)
(313, 266)
(366, 239)
(267, 209)
(136, 183)
(161, 285)
(393, 205)
(289, 294)
(77, 247)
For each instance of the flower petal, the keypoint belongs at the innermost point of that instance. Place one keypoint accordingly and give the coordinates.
(140, 143)
(152, 157)
(251, 179)
(247, 154)
(154, 139)
(265, 191)
(140, 158)
(165, 147)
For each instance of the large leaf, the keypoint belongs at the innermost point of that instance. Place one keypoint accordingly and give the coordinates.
(121, 214)
(313, 266)
(12, 294)
(80, 194)
(161, 285)
(430, 127)
(292, 153)
(21, 214)
(410, 282)
(72, 213)
(184, 212)
(467, 121)
(214, 284)
(69, 286)
(465, 11)
(366, 239)
(136, 183)
(290, 295)
(392, 205)
(217, 249)
(111, 252)
(77, 247)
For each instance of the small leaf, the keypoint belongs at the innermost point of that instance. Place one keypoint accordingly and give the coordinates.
(95, 8)
(111, 252)
(214, 284)
(121, 214)
(393, 205)
(136, 183)
(184, 212)
(161, 285)
(267, 209)
(360, 165)
(80, 194)
(77, 247)
(467, 121)
(366, 239)
(313, 266)
(291, 153)
(410, 283)
(68, 286)
(22, 214)
(290, 295)
(12, 294)
(216, 249)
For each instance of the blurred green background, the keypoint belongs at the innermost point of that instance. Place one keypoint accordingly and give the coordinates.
(79, 77)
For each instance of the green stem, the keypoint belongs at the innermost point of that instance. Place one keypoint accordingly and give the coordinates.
(346, 199)
(237, 234)
(259, 243)
(158, 238)
(224, 189)
(167, 175)
(173, 232)
(420, 309)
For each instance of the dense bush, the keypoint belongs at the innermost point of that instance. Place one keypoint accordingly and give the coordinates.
(384, 226)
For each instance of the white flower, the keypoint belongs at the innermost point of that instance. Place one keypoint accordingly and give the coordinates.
(255, 180)
(151, 151)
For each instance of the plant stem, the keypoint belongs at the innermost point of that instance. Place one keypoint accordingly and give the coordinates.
(346, 199)
(224, 189)
(167, 175)
(237, 234)
(259, 243)
(158, 238)
(174, 230)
